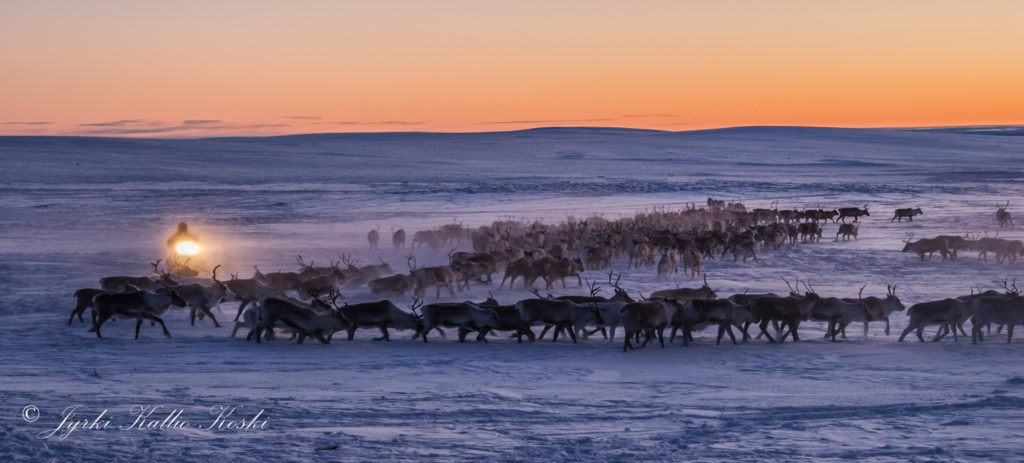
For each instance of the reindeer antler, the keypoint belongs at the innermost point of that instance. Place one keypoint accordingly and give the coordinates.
(593, 286)
(1011, 289)
(859, 293)
(348, 260)
(416, 304)
(616, 283)
(791, 290)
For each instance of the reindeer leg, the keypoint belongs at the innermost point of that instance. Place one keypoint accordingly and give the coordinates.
(661, 337)
(72, 317)
(351, 332)
(241, 307)
(161, 322)
(384, 337)
(209, 313)
(545, 331)
(1009, 333)
(138, 324)
(732, 336)
(792, 330)
(764, 331)
(906, 332)
(97, 323)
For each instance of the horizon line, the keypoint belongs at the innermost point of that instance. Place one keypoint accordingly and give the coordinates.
(540, 127)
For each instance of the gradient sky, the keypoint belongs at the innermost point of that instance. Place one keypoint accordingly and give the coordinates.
(205, 68)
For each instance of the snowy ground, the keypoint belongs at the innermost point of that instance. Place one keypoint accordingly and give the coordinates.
(73, 210)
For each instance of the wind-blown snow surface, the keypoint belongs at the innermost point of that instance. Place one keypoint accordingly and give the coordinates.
(75, 209)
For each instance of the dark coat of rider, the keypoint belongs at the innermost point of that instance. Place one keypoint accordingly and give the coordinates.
(181, 235)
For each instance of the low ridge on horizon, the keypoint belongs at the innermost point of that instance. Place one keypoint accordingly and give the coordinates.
(962, 129)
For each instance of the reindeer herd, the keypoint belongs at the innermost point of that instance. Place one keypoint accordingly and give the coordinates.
(305, 302)
(680, 310)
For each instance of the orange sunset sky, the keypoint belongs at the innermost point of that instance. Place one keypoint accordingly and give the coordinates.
(212, 68)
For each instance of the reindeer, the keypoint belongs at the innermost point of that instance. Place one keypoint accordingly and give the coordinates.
(428, 238)
(83, 300)
(926, 246)
(251, 317)
(837, 312)
(948, 312)
(250, 290)
(1003, 216)
(398, 239)
(692, 260)
(440, 276)
(686, 294)
(667, 264)
(955, 243)
(121, 284)
(468, 266)
(283, 281)
(382, 315)
(879, 309)
(847, 230)
(611, 309)
(507, 318)
(809, 232)
(524, 267)
(724, 312)
(747, 249)
(854, 212)
(1004, 250)
(139, 305)
(908, 213)
(467, 317)
(789, 311)
(203, 298)
(599, 257)
(373, 237)
(391, 286)
(650, 318)
(305, 321)
(560, 269)
(564, 315)
(1005, 310)
(373, 271)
